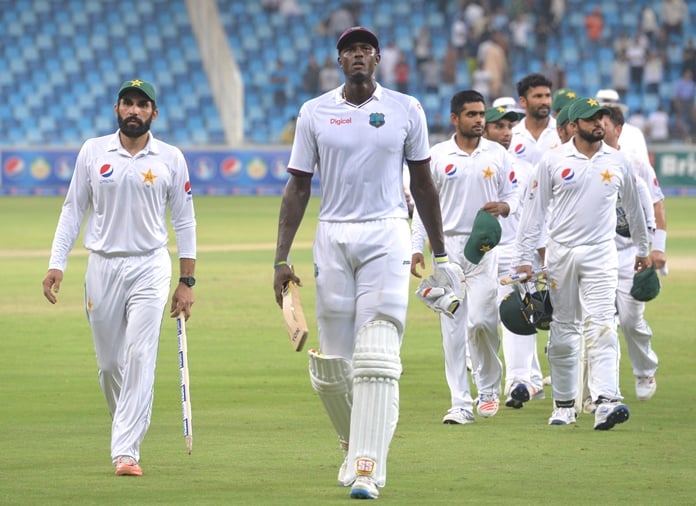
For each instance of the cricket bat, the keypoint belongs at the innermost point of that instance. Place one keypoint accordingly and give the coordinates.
(518, 278)
(184, 377)
(294, 317)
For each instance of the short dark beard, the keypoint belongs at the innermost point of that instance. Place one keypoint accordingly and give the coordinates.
(134, 132)
(588, 136)
(536, 114)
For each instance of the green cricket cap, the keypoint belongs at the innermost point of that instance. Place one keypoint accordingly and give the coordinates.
(137, 84)
(561, 98)
(494, 114)
(646, 285)
(585, 109)
(562, 117)
(485, 235)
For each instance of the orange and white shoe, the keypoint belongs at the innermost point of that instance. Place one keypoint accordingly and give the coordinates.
(487, 405)
(128, 466)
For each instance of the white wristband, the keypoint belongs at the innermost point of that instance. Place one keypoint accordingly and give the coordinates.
(660, 240)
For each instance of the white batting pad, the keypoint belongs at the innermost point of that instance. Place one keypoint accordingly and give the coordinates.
(376, 373)
(332, 379)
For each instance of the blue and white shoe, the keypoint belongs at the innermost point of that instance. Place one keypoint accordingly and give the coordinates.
(364, 488)
(609, 413)
(563, 416)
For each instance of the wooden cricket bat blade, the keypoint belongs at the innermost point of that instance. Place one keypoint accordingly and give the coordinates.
(293, 314)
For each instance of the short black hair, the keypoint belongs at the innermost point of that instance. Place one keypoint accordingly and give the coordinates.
(616, 115)
(532, 81)
(465, 97)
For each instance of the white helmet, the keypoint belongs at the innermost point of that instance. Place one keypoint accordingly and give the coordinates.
(610, 96)
(607, 96)
(508, 103)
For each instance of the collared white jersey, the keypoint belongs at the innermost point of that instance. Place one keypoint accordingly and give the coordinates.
(358, 152)
(650, 193)
(521, 178)
(648, 209)
(644, 170)
(126, 197)
(580, 195)
(465, 183)
(523, 144)
(632, 140)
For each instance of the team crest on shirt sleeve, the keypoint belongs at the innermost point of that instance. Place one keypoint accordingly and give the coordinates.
(377, 119)
(187, 188)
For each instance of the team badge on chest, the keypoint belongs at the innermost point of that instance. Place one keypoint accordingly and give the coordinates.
(377, 119)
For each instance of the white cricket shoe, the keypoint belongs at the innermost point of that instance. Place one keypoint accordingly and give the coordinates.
(487, 405)
(364, 488)
(458, 416)
(645, 387)
(609, 413)
(563, 416)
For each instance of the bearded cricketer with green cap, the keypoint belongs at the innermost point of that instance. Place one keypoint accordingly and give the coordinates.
(574, 197)
(125, 184)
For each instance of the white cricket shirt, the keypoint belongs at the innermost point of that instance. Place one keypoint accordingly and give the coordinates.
(580, 195)
(465, 183)
(358, 152)
(524, 146)
(126, 198)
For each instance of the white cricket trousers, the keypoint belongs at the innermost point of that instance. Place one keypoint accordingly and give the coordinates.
(636, 331)
(582, 284)
(125, 298)
(475, 325)
(362, 273)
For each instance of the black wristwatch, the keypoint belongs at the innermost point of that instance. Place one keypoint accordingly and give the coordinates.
(188, 281)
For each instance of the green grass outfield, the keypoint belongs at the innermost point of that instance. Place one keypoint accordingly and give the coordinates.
(260, 433)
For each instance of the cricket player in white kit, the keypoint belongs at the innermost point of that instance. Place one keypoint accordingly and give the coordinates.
(637, 333)
(536, 133)
(575, 196)
(471, 173)
(523, 380)
(124, 183)
(355, 138)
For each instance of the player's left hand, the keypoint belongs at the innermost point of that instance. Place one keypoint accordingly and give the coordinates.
(51, 284)
(182, 300)
(658, 259)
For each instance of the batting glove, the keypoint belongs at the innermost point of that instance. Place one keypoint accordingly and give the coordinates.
(438, 298)
(448, 274)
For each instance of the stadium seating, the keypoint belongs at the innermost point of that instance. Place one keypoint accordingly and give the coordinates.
(70, 56)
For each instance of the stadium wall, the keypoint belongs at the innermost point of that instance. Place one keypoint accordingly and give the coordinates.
(259, 171)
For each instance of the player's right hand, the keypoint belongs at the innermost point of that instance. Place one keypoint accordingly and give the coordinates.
(51, 284)
(417, 259)
(283, 274)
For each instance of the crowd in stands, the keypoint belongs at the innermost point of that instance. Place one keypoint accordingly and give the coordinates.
(491, 43)
(285, 50)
